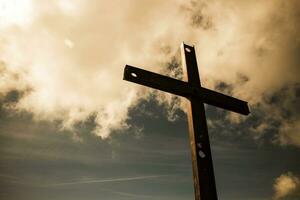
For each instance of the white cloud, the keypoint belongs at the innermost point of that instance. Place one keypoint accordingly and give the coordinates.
(285, 185)
(15, 12)
(69, 55)
(70, 82)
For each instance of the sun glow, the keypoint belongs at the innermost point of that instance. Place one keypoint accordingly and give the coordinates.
(15, 12)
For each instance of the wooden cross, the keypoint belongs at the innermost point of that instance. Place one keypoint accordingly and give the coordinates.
(203, 172)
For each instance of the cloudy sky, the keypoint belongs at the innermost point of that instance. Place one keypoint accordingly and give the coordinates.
(71, 128)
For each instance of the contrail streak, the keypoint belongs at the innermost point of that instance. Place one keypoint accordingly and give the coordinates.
(108, 180)
(129, 194)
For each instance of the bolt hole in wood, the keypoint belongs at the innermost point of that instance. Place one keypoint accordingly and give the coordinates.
(187, 49)
(201, 154)
(133, 74)
(199, 145)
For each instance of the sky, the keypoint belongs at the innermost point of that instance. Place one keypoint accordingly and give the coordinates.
(71, 128)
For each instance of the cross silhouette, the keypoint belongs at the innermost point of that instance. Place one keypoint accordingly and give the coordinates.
(203, 172)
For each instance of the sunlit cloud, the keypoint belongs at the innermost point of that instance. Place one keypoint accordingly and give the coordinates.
(285, 185)
(14, 12)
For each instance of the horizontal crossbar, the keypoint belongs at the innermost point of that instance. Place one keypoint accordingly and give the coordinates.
(184, 89)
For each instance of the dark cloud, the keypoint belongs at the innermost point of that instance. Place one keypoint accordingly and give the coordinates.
(198, 15)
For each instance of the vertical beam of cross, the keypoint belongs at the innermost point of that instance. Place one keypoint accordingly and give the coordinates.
(203, 173)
